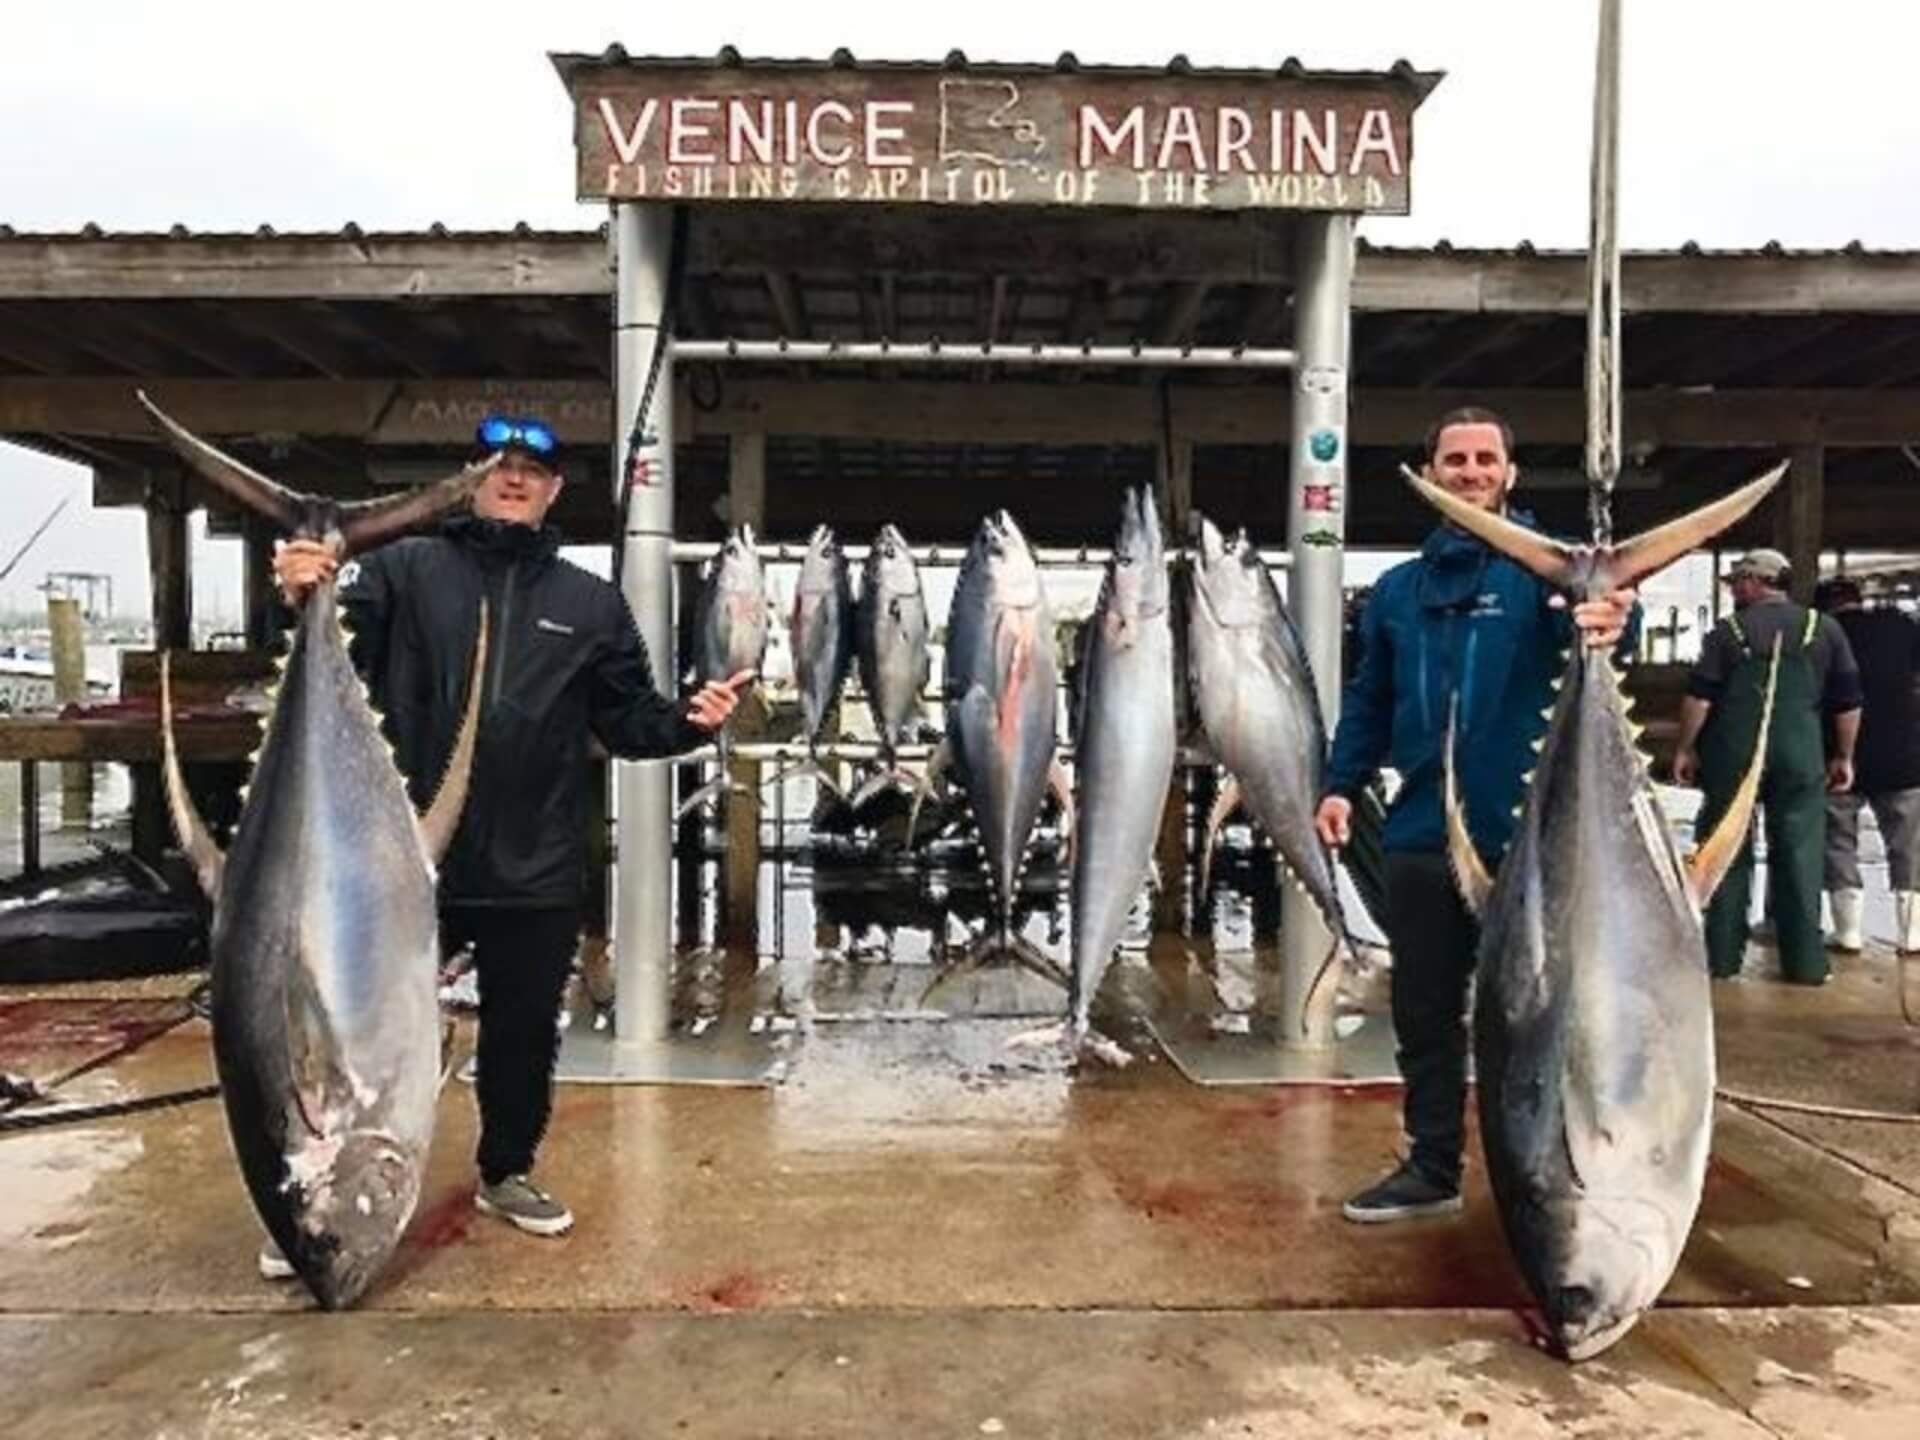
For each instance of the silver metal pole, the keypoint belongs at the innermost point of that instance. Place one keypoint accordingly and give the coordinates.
(1316, 528)
(935, 352)
(1603, 282)
(643, 834)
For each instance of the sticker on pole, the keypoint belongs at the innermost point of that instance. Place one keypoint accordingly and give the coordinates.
(1324, 445)
(1323, 380)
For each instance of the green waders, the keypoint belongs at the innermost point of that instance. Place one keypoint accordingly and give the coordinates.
(1792, 794)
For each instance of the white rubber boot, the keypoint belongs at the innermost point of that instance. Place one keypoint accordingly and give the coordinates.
(1906, 921)
(1847, 905)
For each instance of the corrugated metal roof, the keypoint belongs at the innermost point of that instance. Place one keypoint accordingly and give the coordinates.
(1066, 63)
(521, 230)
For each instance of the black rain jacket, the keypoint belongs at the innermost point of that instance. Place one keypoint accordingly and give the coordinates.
(564, 661)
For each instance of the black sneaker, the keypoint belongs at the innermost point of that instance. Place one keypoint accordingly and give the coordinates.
(1403, 1195)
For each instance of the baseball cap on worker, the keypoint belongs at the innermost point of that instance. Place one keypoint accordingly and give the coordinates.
(530, 437)
(1767, 565)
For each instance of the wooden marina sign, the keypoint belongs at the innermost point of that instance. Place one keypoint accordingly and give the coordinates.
(928, 135)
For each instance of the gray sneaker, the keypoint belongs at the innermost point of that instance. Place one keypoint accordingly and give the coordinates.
(273, 1263)
(1403, 1195)
(521, 1203)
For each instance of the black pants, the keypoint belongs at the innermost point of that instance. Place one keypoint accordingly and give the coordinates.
(1435, 943)
(522, 958)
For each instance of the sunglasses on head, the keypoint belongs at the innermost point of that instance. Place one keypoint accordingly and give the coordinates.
(498, 431)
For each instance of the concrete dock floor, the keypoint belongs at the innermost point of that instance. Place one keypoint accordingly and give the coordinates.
(923, 1231)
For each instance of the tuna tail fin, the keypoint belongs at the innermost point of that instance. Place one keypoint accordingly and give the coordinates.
(363, 524)
(242, 482)
(443, 815)
(1624, 564)
(1631, 561)
(1469, 870)
(202, 853)
(1548, 558)
(1224, 804)
(1708, 865)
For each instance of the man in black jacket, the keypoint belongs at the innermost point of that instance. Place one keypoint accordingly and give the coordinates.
(1886, 766)
(564, 662)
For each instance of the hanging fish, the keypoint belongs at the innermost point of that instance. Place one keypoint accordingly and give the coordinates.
(821, 632)
(1254, 689)
(1123, 753)
(731, 622)
(891, 632)
(1001, 708)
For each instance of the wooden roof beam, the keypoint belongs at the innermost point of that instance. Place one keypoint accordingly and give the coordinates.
(1760, 284)
(1007, 411)
(418, 361)
(1488, 337)
(189, 334)
(787, 309)
(1181, 312)
(1261, 322)
(348, 266)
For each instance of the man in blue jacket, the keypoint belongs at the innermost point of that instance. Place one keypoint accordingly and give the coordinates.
(1464, 631)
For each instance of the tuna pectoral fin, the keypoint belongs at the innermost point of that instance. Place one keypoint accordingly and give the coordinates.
(443, 815)
(1224, 804)
(1469, 871)
(1708, 865)
(1652, 550)
(1549, 559)
(223, 472)
(202, 853)
(936, 766)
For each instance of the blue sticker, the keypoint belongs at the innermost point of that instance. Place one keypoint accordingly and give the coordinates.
(1323, 445)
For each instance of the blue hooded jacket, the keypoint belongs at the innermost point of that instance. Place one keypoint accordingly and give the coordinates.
(1460, 620)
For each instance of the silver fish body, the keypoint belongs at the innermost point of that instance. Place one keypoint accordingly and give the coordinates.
(822, 630)
(1001, 679)
(325, 936)
(891, 634)
(1594, 1030)
(1593, 1024)
(1254, 693)
(325, 973)
(1124, 749)
(730, 632)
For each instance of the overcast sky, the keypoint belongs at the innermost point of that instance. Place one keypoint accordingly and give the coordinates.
(1743, 121)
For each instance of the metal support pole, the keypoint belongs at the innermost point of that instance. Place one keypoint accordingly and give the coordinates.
(643, 937)
(640, 1051)
(1316, 531)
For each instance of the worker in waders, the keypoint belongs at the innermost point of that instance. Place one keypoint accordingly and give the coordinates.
(1719, 723)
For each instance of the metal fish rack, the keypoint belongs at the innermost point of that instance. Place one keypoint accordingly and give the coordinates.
(1052, 557)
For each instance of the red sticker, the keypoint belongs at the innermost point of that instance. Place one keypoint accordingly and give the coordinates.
(1316, 497)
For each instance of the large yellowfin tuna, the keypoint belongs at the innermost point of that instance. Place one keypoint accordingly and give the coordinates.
(325, 933)
(1593, 1027)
